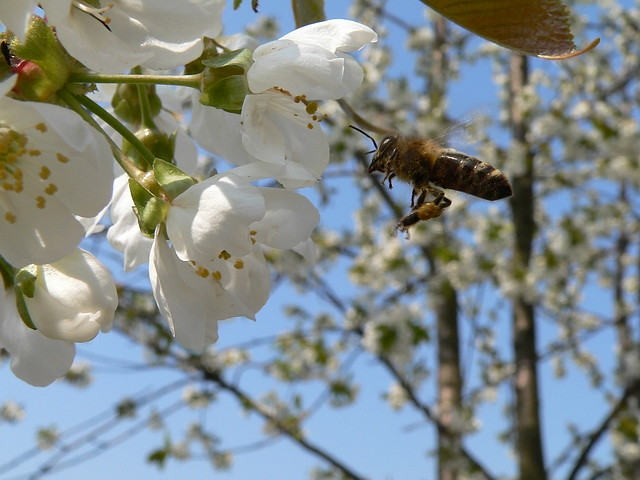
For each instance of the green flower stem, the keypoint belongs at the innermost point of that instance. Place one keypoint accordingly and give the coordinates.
(144, 178)
(192, 81)
(132, 170)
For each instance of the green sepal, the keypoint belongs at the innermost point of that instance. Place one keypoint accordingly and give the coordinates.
(25, 280)
(226, 94)
(21, 306)
(7, 273)
(172, 180)
(150, 210)
(25, 286)
(45, 65)
(224, 82)
(230, 63)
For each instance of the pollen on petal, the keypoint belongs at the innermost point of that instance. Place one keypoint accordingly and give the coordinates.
(217, 275)
(224, 255)
(10, 217)
(41, 202)
(51, 189)
(61, 158)
(44, 172)
(238, 265)
(41, 127)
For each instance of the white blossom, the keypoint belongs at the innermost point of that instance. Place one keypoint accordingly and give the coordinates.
(11, 412)
(277, 134)
(53, 166)
(312, 60)
(215, 268)
(161, 34)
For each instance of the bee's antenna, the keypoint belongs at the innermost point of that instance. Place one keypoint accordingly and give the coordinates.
(366, 135)
(6, 53)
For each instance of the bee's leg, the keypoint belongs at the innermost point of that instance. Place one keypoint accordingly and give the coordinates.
(421, 197)
(388, 178)
(424, 210)
(441, 201)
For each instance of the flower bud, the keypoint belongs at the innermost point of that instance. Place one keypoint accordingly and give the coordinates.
(74, 298)
(160, 144)
(42, 64)
(126, 103)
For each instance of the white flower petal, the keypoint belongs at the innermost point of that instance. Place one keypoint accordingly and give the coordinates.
(247, 281)
(36, 359)
(289, 219)
(307, 250)
(336, 35)
(37, 235)
(220, 133)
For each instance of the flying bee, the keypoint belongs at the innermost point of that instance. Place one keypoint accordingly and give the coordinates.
(426, 165)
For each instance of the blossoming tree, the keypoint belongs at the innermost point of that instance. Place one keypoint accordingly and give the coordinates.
(140, 124)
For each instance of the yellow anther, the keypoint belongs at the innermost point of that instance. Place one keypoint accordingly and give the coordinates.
(202, 272)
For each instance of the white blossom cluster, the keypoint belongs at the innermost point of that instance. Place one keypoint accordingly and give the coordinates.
(202, 238)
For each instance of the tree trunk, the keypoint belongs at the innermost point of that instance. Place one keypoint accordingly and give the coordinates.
(445, 299)
(527, 407)
(449, 383)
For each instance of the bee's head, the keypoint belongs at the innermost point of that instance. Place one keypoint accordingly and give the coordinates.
(385, 153)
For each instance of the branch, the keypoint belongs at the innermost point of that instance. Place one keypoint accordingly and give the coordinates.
(597, 434)
(282, 426)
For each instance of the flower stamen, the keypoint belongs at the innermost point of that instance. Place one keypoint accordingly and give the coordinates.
(96, 12)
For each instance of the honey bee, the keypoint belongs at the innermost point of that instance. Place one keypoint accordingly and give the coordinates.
(426, 165)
